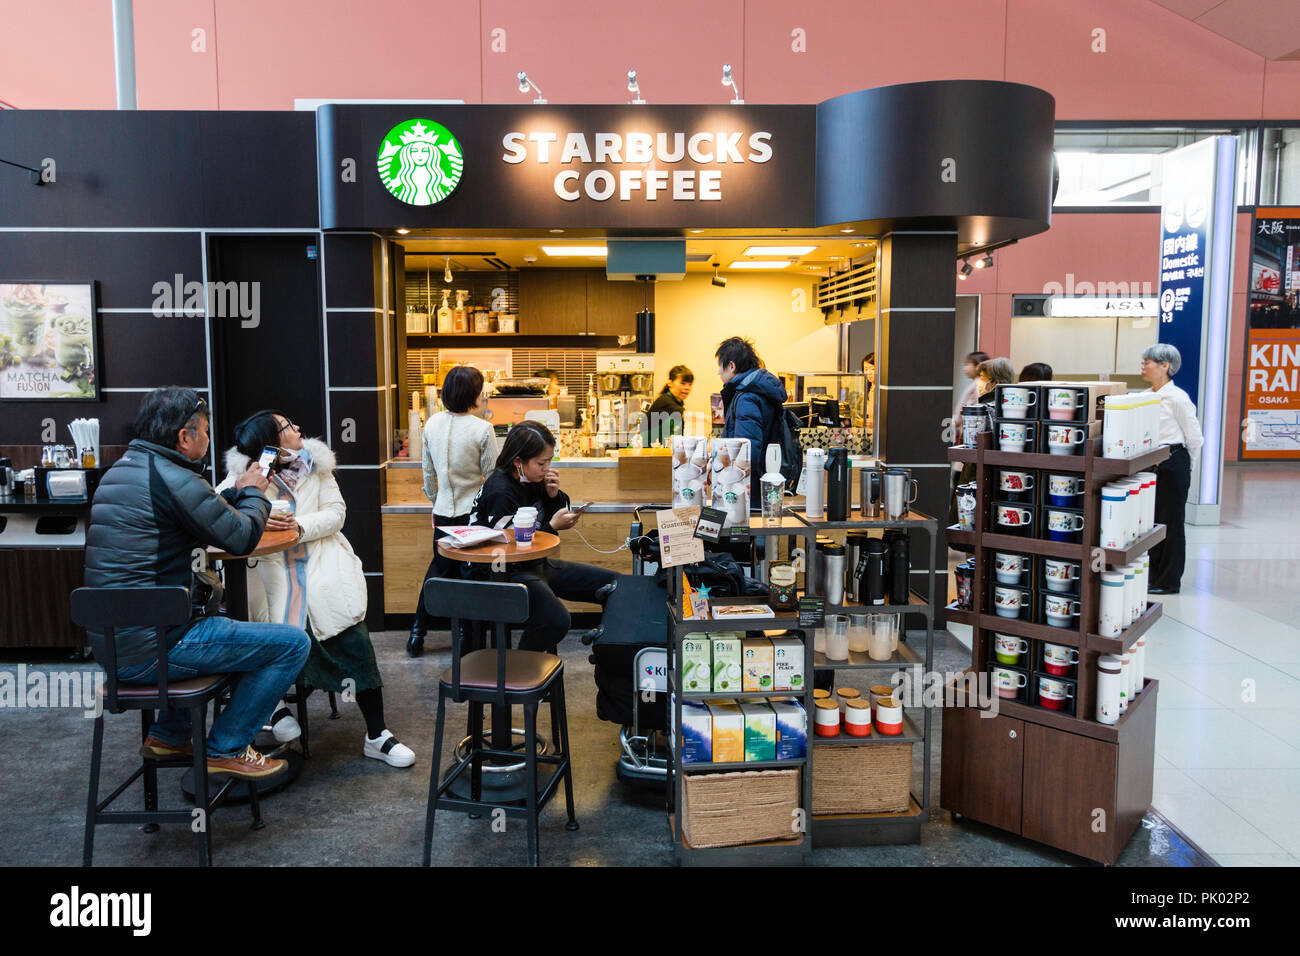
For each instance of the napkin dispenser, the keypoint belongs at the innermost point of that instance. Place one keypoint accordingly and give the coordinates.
(66, 483)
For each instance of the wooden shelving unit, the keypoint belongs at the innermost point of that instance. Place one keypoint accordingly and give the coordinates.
(826, 830)
(1003, 770)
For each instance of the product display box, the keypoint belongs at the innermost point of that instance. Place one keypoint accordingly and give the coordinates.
(1002, 567)
(1049, 430)
(1018, 485)
(757, 665)
(1040, 662)
(728, 731)
(791, 729)
(727, 663)
(697, 658)
(1007, 597)
(1012, 517)
(1063, 702)
(1009, 682)
(1083, 405)
(1016, 434)
(787, 664)
(760, 730)
(1060, 524)
(697, 732)
(1057, 576)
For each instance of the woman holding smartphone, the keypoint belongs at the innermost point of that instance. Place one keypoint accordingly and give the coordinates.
(460, 451)
(524, 477)
(318, 585)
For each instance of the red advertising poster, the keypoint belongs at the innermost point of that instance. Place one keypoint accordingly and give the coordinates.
(1272, 382)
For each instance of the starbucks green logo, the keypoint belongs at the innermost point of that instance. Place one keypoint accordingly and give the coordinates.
(420, 162)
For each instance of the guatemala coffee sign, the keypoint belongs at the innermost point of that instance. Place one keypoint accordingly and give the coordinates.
(420, 162)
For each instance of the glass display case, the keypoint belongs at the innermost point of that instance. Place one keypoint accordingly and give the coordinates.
(836, 400)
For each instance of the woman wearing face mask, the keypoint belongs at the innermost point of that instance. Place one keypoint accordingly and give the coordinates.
(318, 585)
(524, 476)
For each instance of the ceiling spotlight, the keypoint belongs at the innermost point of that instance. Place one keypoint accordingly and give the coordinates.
(403, 232)
(965, 269)
(718, 280)
(446, 272)
(634, 87)
(525, 84)
(986, 262)
(728, 80)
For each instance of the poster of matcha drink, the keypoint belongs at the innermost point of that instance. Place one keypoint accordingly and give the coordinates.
(49, 341)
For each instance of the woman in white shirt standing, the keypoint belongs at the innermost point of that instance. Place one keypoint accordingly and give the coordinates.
(1180, 430)
(460, 451)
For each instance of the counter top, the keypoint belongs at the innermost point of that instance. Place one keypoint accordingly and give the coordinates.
(603, 507)
(555, 463)
(43, 506)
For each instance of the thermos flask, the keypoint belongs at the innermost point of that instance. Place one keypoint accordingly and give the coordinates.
(837, 484)
(875, 558)
(854, 543)
(833, 568)
(814, 466)
(899, 565)
(869, 492)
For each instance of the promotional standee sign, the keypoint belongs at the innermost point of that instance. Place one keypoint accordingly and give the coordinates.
(1272, 375)
(1196, 240)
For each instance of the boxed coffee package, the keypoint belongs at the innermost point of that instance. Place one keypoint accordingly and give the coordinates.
(756, 677)
(697, 654)
(727, 663)
(791, 729)
(787, 663)
(760, 730)
(697, 732)
(728, 731)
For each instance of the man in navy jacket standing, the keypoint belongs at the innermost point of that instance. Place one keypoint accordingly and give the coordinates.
(751, 401)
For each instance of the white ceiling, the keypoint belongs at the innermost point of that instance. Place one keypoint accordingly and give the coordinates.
(1270, 28)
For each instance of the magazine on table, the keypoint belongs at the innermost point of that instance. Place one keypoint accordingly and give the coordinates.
(469, 535)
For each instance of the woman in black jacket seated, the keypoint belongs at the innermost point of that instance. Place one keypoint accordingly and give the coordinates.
(524, 477)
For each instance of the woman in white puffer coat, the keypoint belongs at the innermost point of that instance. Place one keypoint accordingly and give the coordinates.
(318, 585)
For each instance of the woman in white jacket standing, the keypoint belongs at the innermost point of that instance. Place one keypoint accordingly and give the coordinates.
(319, 584)
(460, 451)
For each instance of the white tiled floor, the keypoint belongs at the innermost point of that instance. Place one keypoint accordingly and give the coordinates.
(1225, 652)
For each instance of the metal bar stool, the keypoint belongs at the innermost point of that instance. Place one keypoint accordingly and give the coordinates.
(104, 610)
(500, 677)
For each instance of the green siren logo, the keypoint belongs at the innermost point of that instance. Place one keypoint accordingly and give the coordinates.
(420, 162)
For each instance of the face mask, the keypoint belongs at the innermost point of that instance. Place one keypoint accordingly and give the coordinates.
(289, 454)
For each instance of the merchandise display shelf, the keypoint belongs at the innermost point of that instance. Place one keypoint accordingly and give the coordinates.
(1074, 551)
(1128, 637)
(867, 829)
(1070, 637)
(1035, 460)
(860, 660)
(959, 615)
(1140, 546)
(1123, 467)
(738, 696)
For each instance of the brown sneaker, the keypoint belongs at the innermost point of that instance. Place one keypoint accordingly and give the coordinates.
(250, 765)
(155, 749)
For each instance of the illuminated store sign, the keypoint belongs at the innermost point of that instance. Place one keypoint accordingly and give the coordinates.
(635, 158)
(420, 162)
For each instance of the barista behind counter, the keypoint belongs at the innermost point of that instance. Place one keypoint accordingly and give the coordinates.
(668, 411)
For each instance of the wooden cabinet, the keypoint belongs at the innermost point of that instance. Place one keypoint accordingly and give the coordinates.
(36, 613)
(1084, 793)
(553, 301)
(612, 306)
(578, 302)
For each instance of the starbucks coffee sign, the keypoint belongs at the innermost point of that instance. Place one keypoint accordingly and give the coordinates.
(638, 165)
(420, 162)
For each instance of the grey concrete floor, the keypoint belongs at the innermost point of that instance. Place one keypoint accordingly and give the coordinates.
(346, 809)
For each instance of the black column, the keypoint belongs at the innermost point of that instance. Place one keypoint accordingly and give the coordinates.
(914, 370)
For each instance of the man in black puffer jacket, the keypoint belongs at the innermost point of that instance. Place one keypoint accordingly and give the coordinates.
(153, 514)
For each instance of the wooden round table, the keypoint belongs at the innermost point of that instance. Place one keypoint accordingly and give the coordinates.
(510, 785)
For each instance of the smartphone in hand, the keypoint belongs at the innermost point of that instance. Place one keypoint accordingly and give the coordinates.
(579, 509)
(267, 459)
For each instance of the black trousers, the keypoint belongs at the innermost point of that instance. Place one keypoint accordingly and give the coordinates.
(1173, 479)
(548, 582)
(439, 567)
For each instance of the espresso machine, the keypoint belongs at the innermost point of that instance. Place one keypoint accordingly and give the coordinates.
(624, 390)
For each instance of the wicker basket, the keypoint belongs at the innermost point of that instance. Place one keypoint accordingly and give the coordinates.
(730, 809)
(872, 778)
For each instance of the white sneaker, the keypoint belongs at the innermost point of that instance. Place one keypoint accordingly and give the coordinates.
(385, 747)
(283, 724)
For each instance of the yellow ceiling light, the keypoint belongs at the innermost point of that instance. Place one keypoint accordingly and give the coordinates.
(795, 251)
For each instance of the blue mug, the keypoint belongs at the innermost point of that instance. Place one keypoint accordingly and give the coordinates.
(1063, 525)
(1064, 490)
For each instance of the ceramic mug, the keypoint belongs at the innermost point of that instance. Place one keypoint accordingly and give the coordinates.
(1016, 402)
(1014, 482)
(1009, 567)
(1063, 403)
(1007, 682)
(1063, 525)
(1058, 659)
(1008, 648)
(1058, 574)
(1007, 601)
(1059, 610)
(1013, 436)
(1064, 490)
(1063, 439)
(889, 716)
(1054, 694)
(1015, 518)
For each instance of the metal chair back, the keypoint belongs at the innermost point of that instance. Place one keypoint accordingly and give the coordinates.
(107, 609)
(465, 602)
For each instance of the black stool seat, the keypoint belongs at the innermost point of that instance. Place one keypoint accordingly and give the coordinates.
(176, 690)
(525, 671)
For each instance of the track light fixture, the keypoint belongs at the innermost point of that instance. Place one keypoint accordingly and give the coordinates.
(965, 269)
(986, 262)
(634, 87)
(525, 84)
(728, 80)
(719, 281)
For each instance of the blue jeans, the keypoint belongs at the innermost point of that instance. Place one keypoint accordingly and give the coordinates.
(263, 659)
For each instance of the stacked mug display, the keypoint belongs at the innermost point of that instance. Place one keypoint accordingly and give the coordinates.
(1009, 657)
(1011, 592)
(1058, 595)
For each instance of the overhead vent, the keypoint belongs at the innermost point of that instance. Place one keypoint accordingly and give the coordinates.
(850, 296)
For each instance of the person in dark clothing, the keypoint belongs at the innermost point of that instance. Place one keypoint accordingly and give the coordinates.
(1036, 372)
(668, 410)
(153, 511)
(523, 476)
(751, 402)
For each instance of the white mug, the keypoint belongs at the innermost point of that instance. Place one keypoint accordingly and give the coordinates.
(1058, 659)
(1016, 402)
(1008, 682)
(1063, 439)
(1064, 521)
(1009, 567)
(1062, 403)
(1059, 610)
(1058, 574)
(1013, 436)
(1016, 481)
(1012, 517)
(1007, 601)
(1008, 648)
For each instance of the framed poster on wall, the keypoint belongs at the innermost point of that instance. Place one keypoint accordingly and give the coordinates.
(1271, 393)
(49, 341)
